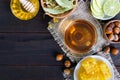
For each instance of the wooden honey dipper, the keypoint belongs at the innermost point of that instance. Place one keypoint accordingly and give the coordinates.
(27, 5)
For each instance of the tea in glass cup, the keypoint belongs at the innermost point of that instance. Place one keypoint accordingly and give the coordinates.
(79, 36)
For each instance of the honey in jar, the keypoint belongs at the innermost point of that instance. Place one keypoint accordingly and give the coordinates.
(19, 11)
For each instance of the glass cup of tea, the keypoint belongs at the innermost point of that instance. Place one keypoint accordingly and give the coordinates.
(78, 35)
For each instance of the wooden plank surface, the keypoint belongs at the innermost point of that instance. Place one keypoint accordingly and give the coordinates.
(30, 73)
(11, 24)
(27, 49)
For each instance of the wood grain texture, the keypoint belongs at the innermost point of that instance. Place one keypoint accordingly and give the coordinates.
(27, 49)
(9, 23)
(31, 73)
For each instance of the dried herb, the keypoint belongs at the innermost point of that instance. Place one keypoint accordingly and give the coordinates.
(58, 6)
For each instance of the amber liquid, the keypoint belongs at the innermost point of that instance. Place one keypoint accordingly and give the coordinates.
(80, 36)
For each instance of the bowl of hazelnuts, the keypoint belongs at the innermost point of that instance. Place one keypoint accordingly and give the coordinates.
(112, 31)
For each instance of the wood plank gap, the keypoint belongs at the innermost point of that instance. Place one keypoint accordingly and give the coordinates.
(44, 32)
(31, 65)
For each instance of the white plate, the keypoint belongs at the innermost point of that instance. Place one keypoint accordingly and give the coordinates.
(104, 18)
(99, 58)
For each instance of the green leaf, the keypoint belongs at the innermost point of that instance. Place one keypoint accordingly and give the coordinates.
(56, 11)
(65, 3)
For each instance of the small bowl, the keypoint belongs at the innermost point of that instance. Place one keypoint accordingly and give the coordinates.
(106, 34)
(98, 58)
(63, 15)
(20, 13)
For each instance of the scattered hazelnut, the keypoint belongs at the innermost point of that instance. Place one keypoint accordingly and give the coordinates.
(116, 30)
(67, 71)
(59, 57)
(115, 51)
(111, 37)
(107, 49)
(108, 30)
(117, 24)
(116, 38)
(67, 63)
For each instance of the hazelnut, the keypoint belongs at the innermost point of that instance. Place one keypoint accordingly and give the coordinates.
(116, 30)
(59, 57)
(107, 49)
(67, 71)
(115, 51)
(67, 63)
(117, 24)
(112, 25)
(111, 37)
(108, 30)
(119, 36)
(116, 38)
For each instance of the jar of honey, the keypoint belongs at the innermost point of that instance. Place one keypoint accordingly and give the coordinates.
(18, 8)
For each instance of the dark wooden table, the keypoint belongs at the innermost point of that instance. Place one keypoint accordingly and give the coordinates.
(27, 49)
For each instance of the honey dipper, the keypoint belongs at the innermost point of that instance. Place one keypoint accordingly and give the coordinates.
(27, 5)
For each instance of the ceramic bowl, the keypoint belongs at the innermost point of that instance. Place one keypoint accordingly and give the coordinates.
(107, 35)
(63, 15)
(96, 57)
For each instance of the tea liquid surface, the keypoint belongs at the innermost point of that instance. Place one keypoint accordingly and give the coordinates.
(80, 36)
